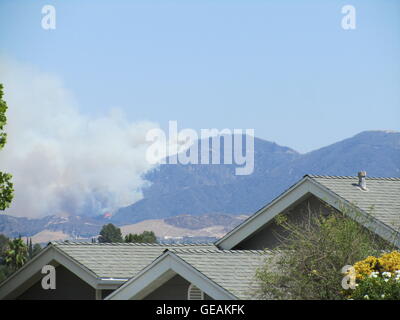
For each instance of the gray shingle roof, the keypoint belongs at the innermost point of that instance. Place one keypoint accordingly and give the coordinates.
(233, 270)
(382, 199)
(118, 260)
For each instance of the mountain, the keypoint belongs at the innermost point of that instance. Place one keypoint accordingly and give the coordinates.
(208, 227)
(201, 189)
(204, 199)
(74, 226)
(377, 152)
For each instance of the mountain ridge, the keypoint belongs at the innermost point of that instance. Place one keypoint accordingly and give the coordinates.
(205, 193)
(377, 152)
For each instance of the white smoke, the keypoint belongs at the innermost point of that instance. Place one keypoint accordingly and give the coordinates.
(63, 161)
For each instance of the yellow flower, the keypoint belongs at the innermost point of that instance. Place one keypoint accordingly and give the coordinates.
(365, 267)
(388, 262)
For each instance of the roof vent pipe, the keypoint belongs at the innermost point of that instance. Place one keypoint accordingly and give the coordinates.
(361, 180)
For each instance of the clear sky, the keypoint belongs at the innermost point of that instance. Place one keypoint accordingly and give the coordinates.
(285, 68)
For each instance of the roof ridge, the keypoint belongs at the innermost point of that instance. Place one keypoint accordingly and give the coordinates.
(138, 244)
(351, 177)
(218, 251)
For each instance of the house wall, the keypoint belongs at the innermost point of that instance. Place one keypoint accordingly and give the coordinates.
(68, 286)
(271, 234)
(175, 288)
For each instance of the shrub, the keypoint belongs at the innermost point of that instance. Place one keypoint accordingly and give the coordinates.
(308, 262)
(377, 278)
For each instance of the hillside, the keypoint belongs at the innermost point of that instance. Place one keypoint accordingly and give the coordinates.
(207, 226)
(199, 199)
(74, 226)
(200, 189)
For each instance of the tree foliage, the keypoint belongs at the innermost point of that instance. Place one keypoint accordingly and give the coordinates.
(144, 237)
(36, 249)
(110, 233)
(33, 249)
(17, 254)
(308, 262)
(377, 278)
(3, 247)
(4, 270)
(6, 186)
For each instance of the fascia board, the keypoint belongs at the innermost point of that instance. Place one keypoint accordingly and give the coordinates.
(306, 186)
(31, 272)
(265, 215)
(160, 271)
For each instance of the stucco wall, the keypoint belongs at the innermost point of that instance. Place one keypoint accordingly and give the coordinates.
(174, 289)
(269, 235)
(68, 286)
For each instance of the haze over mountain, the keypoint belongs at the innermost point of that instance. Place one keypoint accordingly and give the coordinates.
(211, 192)
(200, 189)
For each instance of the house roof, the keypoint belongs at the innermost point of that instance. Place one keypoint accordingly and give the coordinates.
(380, 201)
(118, 260)
(227, 273)
(233, 270)
(222, 274)
(101, 265)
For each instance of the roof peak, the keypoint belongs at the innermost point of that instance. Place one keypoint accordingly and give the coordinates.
(217, 251)
(351, 177)
(136, 244)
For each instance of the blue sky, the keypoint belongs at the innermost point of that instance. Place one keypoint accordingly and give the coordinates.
(285, 68)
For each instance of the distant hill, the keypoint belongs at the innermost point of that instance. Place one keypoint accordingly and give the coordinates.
(52, 228)
(207, 226)
(201, 189)
(377, 152)
(189, 198)
(74, 226)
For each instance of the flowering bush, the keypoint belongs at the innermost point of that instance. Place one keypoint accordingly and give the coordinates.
(389, 262)
(311, 251)
(378, 278)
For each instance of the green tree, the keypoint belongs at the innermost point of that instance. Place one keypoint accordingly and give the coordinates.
(308, 262)
(3, 244)
(3, 247)
(16, 254)
(6, 186)
(33, 249)
(110, 233)
(4, 272)
(36, 249)
(30, 247)
(144, 237)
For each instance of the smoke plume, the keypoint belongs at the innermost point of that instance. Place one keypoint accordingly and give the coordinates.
(63, 161)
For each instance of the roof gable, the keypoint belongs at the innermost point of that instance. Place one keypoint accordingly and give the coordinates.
(220, 274)
(339, 192)
(30, 273)
(118, 260)
(102, 266)
(381, 199)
